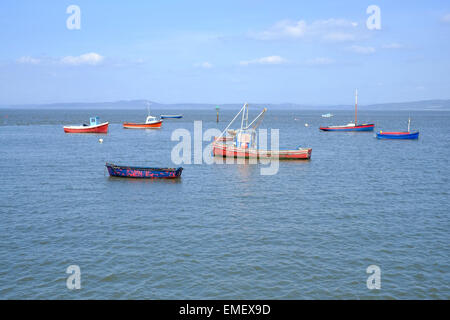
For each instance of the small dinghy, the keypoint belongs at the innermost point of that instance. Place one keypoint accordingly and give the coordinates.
(143, 172)
(399, 135)
(94, 127)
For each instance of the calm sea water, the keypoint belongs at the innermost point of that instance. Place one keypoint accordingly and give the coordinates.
(224, 231)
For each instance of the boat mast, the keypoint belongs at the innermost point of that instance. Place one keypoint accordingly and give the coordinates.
(356, 107)
(148, 107)
(244, 116)
(235, 117)
(409, 124)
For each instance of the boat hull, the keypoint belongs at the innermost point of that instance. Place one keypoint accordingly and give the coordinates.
(398, 135)
(220, 150)
(154, 125)
(363, 127)
(142, 172)
(169, 116)
(101, 128)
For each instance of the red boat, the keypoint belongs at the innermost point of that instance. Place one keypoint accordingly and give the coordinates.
(93, 127)
(150, 123)
(242, 143)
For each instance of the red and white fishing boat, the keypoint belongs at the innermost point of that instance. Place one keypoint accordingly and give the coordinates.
(150, 123)
(94, 127)
(242, 143)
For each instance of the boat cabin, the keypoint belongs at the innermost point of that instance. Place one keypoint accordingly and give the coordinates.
(150, 119)
(94, 121)
(246, 139)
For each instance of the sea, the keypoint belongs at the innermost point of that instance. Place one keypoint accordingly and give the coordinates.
(362, 219)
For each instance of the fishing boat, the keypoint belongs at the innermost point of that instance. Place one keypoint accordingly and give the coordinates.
(150, 123)
(351, 126)
(244, 142)
(171, 116)
(399, 135)
(94, 126)
(327, 115)
(143, 172)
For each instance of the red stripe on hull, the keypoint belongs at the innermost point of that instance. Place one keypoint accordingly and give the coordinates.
(155, 125)
(397, 133)
(347, 128)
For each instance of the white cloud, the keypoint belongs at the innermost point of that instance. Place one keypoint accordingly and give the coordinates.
(446, 18)
(339, 37)
(205, 65)
(320, 61)
(334, 30)
(87, 58)
(28, 60)
(392, 45)
(284, 29)
(362, 50)
(265, 60)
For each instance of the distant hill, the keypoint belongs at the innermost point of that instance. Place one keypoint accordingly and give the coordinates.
(141, 104)
(414, 105)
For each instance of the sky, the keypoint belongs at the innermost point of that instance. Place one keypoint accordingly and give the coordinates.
(305, 52)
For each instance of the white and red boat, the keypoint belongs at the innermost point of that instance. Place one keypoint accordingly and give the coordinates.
(94, 127)
(150, 123)
(242, 143)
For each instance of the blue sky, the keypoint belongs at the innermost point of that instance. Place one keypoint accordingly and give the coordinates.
(309, 52)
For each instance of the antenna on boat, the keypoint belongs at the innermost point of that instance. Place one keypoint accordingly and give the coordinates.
(148, 107)
(356, 106)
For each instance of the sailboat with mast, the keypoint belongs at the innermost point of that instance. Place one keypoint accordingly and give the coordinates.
(242, 143)
(351, 126)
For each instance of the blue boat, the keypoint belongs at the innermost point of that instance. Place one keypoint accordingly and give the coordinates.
(171, 116)
(143, 172)
(400, 134)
